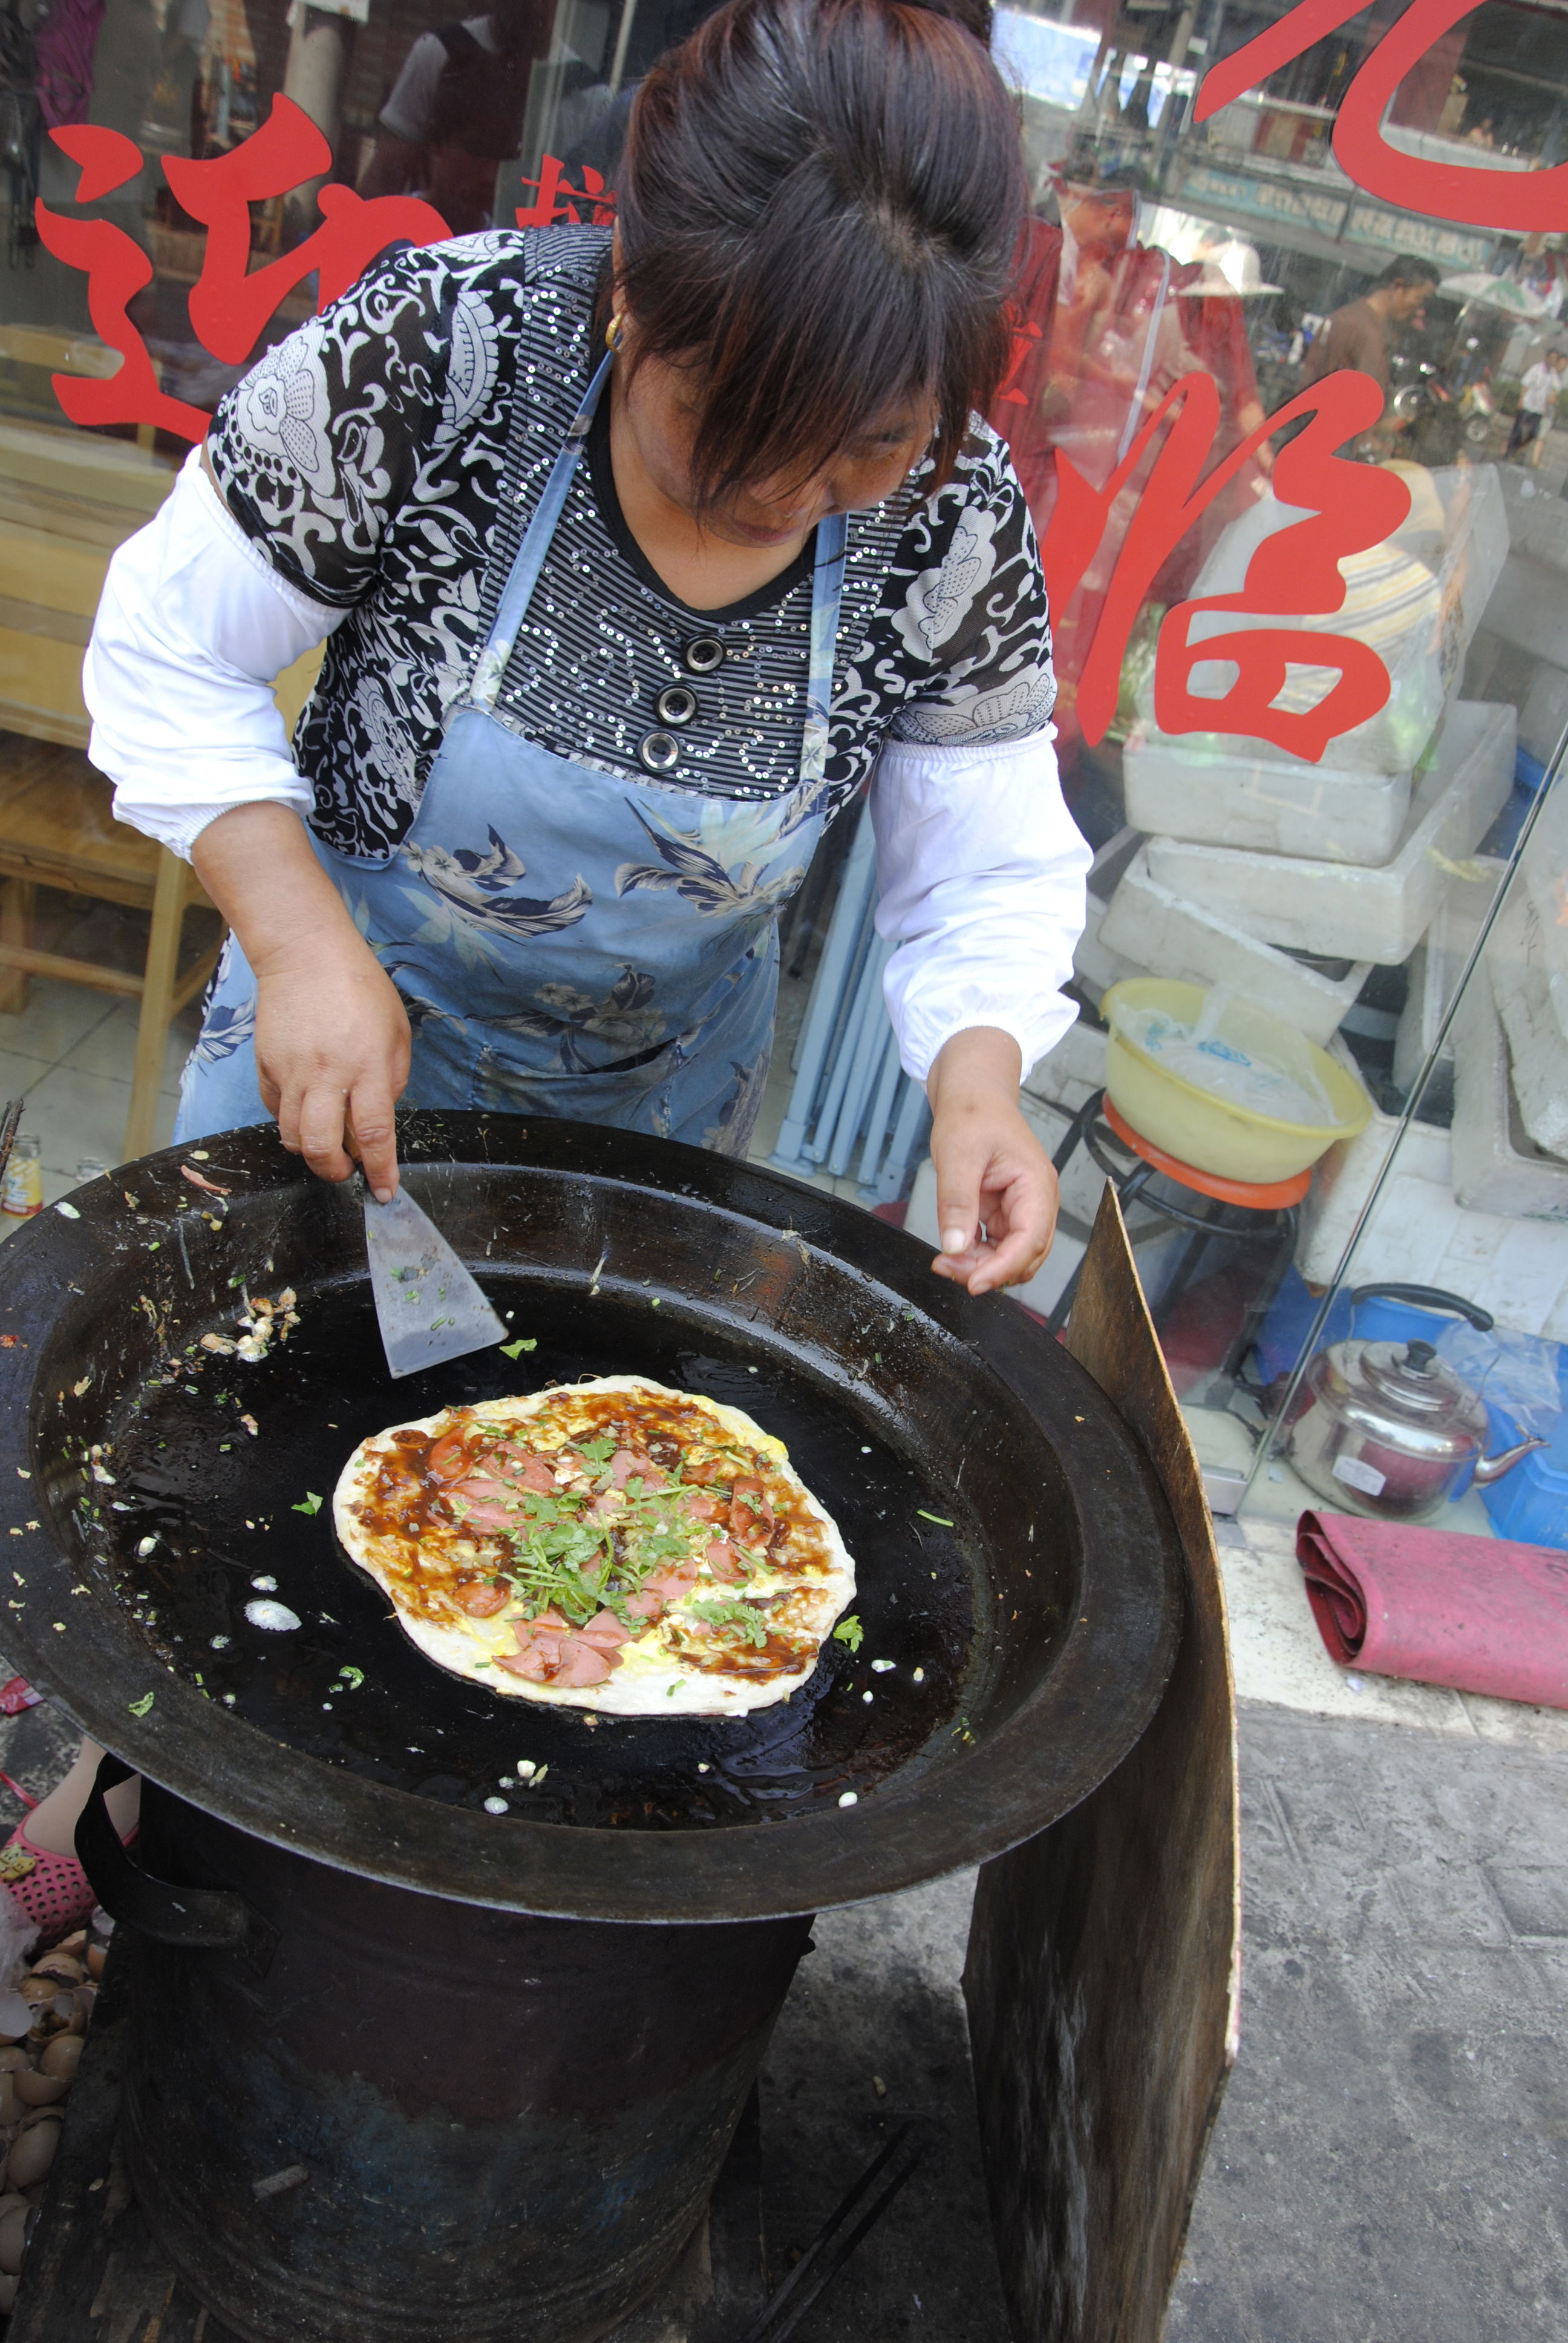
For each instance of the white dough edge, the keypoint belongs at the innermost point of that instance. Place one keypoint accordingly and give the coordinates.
(639, 1687)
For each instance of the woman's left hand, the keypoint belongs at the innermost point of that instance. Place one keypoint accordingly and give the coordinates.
(996, 1187)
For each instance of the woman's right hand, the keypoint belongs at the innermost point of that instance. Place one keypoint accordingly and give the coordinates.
(332, 1056)
(332, 1039)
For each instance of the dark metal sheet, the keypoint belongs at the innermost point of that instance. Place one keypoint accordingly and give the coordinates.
(1102, 1978)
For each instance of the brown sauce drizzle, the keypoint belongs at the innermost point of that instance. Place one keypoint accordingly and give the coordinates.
(407, 1511)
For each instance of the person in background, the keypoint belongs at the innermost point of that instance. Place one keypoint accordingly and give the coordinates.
(1537, 403)
(1357, 338)
(1104, 327)
(456, 112)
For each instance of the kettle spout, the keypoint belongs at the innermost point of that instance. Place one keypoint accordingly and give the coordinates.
(1492, 1468)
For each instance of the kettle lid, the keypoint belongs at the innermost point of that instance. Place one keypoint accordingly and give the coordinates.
(1413, 1378)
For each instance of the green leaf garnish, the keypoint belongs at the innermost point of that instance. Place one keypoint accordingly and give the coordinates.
(941, 1520)
(732, 1614)
(515, 1350)
(312, 1504)
(351, 1678)
(140, 1707)
(850, 1632)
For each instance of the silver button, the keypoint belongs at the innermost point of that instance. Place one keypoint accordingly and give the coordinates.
(659, 752)
(704, 655)
(676, 705)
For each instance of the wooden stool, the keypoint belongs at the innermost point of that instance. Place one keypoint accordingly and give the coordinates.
(56, 831)
(1099, 1127)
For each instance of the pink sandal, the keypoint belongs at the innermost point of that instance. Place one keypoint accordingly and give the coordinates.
(52, 1890)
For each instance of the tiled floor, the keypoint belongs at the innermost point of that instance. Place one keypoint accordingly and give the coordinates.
(67, 1056)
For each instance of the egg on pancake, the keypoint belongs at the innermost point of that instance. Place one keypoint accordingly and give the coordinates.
(611, 1544)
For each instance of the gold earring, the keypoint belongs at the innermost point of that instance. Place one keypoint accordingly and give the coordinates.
(613, 337)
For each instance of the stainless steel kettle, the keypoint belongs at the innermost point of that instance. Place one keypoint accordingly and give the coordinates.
(1388, 1429)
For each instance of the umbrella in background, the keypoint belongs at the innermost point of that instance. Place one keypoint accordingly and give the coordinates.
(1502, 293)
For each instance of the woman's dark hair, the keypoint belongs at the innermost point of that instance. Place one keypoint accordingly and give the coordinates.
(818, 210)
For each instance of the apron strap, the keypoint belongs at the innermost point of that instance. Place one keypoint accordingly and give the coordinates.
(827, 592)
(518, 591)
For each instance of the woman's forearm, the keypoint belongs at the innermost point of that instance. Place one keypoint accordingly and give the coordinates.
(332, 1040)
(258, 866)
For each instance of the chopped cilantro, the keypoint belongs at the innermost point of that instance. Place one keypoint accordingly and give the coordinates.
(515, 1350)
(312, 1504)
(731, 1612)
(140, 1707)
(351, 1678)
(598, 1452)
(850, 1632)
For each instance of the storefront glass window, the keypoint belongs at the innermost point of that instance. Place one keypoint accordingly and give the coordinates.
(1287, 364)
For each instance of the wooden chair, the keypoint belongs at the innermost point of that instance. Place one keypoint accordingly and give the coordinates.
(56, 831)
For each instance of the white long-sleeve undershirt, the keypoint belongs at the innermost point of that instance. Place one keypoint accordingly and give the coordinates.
(981, 870)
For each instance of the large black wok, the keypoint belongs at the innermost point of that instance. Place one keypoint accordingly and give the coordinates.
(1040, 1622)
(358, 2108)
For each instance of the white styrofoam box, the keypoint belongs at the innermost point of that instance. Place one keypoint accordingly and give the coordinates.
(1436, 966)
(1517, 1269)
(1544, 863)
(1338, 813)
(1544, 712)
(1182, 939)
(1496, 1167)
(1529, 607)
(1339, 909)
(1067, 1074)
(1082, 1181)
(1345, 1176)
(1095, 965)
(1537, 519)
(1516, 963)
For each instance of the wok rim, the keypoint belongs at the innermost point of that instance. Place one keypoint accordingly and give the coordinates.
(1104, 1688)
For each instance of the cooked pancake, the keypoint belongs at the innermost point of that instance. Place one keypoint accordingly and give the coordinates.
(612, 1545)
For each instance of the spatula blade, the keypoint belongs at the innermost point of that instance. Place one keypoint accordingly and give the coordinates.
(429, 1308)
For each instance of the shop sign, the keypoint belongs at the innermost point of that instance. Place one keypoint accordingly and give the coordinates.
(1270, 199)
(1448, 248)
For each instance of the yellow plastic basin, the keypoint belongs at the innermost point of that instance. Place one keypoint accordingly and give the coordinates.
(1208, 1132)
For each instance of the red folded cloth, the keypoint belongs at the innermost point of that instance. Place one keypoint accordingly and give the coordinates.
(1481, 1614)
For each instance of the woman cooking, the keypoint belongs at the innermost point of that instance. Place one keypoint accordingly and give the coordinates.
(633, 561)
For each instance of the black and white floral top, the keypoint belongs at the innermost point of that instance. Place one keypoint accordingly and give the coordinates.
(385, 459)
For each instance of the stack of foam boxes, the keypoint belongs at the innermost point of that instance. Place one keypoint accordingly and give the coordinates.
(1288, 881)
(1482, 1208)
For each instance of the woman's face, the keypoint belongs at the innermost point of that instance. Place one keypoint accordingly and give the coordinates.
(661, 408)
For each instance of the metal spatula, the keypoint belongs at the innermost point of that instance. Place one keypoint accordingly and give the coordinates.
(429, 1307)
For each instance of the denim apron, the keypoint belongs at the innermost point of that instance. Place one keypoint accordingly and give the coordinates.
(567, 941)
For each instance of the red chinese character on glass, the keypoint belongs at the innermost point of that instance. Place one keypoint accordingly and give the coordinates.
(116, 269)
(1525, 200)
(555, 200)
(1347, 508)
(230, 304)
